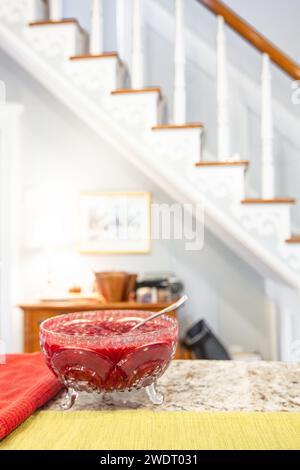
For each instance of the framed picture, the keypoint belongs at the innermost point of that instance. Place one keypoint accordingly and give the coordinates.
(117, 222)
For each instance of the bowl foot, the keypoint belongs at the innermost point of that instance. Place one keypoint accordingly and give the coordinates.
(69, 399)
(154, 396)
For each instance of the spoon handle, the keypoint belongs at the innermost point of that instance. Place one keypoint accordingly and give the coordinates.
(168, 309)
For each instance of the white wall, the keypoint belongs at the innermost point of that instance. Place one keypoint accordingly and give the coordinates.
(278, 20)
(62, 157)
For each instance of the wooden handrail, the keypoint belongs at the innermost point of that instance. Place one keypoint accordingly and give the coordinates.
(253, 37)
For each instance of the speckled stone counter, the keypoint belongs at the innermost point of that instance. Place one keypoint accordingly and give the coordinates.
(211, 386)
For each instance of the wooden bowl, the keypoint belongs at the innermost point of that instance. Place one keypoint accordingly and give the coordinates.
(115, 286)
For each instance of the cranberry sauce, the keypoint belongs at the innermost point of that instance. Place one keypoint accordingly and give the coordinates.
(98, 351)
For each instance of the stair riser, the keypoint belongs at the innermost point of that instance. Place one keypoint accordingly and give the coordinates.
(179, 147)
(265, 220)
(56, 41)
(22, 11)
(225, 185)
(291, 255)
(136, 111)
(99, 76)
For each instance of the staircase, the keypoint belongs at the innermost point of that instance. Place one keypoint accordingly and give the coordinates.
(110, 96)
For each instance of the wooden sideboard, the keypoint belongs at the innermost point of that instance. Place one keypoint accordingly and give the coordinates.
(35, 313)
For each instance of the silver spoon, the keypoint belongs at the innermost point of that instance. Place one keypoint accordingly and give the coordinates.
(161, 312)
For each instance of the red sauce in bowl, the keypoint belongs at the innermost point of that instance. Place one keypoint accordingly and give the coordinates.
(97, 351)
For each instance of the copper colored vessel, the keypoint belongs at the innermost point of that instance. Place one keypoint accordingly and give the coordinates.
(115, 286)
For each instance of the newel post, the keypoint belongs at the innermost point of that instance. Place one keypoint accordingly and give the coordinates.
(96, 34)
(56, 10)
(222, 94)
(268, 172)
(137, 67)
(179, 62)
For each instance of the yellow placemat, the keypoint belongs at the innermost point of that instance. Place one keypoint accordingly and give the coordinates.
(147, 430)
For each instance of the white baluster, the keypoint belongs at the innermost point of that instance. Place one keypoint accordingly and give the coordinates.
(123, 27)
(137, 67)
(96, 35)
(222, 94)
(268, 173)
(179, 60)
(31, 11)
(55, 10)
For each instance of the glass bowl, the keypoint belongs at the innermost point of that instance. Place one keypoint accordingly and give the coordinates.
(97, 352)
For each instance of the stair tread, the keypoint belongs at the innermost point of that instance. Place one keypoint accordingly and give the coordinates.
(229, 163)
(281, 200)
(57, 22)
(293, 239)
(104, 55)
(122, 91)
(194, 125)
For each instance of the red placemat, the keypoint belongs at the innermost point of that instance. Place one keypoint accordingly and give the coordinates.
(26, 383)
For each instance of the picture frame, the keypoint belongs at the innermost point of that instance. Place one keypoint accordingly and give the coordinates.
(115, 222)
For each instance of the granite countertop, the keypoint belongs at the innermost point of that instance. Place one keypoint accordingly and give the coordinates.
(210, 386)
